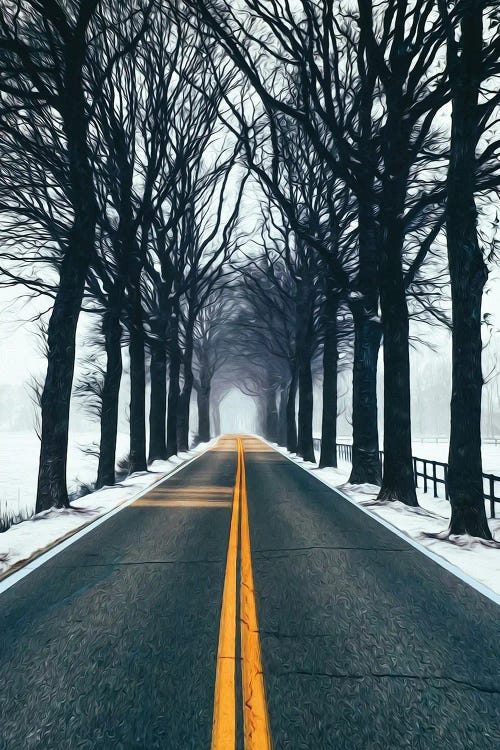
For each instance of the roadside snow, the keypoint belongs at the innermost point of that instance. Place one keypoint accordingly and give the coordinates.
(474, 557)
(19, 457)
(27, 539)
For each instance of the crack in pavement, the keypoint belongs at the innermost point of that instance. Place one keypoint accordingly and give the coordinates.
(314, 547)
(278, 634)
(391, 675)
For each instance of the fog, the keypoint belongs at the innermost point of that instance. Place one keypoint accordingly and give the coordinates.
(238, 413)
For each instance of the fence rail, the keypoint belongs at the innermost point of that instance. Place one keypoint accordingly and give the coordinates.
(432, 473)
(445, 439)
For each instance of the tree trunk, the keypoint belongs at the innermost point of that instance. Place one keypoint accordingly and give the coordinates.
(305, 447)
(158, 404)
(291, 423)
(328, 455)
(110, 398)
(185, 396)
(468, 275)
(367, 333)
(203, 399)
(365, 448)
(398, 482)
(137, 349)
(367, 329)
(173, 389)
(282, 416)
(303, 348)
(271, 415)
(183, 417)
(56, 396)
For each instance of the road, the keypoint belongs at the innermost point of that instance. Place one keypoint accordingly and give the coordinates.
(349, 639)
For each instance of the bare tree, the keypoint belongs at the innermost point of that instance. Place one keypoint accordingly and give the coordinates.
(50, 47)
(266, 325)
(210, 355)
(470, 62)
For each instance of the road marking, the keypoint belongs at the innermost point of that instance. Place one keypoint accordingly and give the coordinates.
(257, 734)
(24, 567)
(255, 715)
(190, 492)
(224, 718)
(182, 504)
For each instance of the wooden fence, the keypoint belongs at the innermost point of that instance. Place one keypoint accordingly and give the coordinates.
(431, 473)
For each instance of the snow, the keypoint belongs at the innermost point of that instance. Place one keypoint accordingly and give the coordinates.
(426, 526)
(19, 453)
(25, 540)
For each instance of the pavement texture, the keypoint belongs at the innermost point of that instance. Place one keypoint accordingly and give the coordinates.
(366, 643)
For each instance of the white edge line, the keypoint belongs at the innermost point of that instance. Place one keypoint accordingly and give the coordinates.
(18, 575)
(484, 590)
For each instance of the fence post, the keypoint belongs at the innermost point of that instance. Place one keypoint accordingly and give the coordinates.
(434, 478)
(425, 475)
(415, 471)
(492, 497)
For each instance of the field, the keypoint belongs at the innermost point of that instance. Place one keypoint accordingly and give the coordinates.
(19, 467)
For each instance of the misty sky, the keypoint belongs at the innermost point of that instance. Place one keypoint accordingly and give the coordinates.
(20, 357)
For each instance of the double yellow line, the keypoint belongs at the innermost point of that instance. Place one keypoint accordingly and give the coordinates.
(255, 717)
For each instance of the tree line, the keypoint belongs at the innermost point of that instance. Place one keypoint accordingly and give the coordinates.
(361, 140)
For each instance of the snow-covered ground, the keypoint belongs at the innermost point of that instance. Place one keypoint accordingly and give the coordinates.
(19, 452)
(475, 558)
(438, 451)
(26, 539)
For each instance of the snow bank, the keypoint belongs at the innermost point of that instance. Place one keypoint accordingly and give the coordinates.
(28, 539)
(426, 526)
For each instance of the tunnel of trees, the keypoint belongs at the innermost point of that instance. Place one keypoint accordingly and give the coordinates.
(260, 197)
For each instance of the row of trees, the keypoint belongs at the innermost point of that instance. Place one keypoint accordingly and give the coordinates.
(374, 136)
(365, 133)
(120, 192)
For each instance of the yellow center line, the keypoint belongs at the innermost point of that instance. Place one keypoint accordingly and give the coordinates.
(255, 716)
(224, 719)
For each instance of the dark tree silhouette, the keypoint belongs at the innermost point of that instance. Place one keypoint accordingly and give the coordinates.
(210, 355)
(469, 63)
(50, 49)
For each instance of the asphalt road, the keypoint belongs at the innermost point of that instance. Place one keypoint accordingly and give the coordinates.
(365, 642)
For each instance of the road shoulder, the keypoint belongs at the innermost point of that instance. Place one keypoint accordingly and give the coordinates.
(472, 561)
(27, 545)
